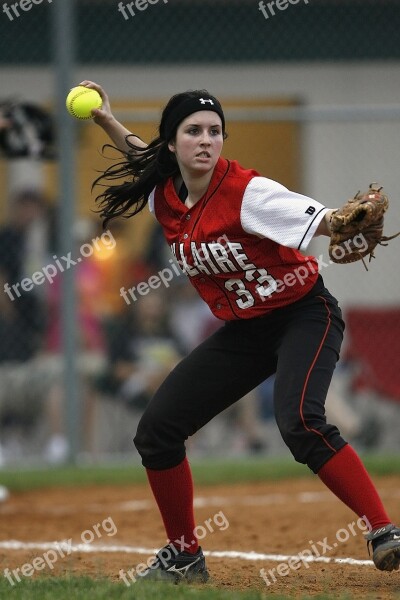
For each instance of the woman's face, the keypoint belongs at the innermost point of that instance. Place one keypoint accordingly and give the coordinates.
(198, 142)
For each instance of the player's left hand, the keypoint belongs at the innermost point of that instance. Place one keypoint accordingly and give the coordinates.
(357, 227)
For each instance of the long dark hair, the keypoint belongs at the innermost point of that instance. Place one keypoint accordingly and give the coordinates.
(143, 168)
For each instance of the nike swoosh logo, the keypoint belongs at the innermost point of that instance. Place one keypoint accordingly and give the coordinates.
(181, 571)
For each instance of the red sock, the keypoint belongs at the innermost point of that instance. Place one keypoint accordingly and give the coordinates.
(345, 475)
(173, 491)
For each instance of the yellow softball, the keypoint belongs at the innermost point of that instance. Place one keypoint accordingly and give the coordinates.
(81, 101)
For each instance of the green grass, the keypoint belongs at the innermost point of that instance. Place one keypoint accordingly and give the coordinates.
(206, 472)
(84, 588)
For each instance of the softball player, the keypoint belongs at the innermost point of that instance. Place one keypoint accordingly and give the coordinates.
(241, 240)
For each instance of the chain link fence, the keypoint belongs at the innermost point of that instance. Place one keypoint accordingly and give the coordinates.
(311, 94)
(193, 31)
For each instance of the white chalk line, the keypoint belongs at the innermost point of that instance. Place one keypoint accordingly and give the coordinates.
(138, 505)
(250, 556)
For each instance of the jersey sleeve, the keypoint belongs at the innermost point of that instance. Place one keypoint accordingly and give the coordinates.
(270, 210)
(151, 202)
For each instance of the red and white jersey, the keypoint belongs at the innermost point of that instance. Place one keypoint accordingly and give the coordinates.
(240, 243)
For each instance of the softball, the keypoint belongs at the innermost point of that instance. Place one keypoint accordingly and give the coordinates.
(81, 101)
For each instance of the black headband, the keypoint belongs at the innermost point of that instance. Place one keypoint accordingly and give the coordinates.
(186, 108)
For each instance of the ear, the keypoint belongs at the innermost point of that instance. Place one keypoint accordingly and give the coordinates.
(171, 147)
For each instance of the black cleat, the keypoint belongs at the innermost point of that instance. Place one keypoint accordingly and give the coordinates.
(386, 547)
(174, 566)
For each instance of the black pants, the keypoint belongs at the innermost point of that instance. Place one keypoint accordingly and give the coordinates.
(300, 343)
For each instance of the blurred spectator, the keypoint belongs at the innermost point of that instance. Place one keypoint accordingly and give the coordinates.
(25, 241)
(27, 387)
(157, 254)
(190, 318)
(116, 268)
(27, 245)
(89, 286)
(142, 350)
(245, 417)
(4, 122)
(361, 427)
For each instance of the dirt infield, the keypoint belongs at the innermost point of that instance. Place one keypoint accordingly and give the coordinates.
(121, 526)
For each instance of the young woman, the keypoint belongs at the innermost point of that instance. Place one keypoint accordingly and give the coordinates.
(240, 238)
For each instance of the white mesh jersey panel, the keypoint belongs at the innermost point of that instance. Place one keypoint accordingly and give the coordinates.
(272, 211)
(151, 201)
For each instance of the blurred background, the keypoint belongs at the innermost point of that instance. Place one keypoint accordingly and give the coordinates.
(311, 91)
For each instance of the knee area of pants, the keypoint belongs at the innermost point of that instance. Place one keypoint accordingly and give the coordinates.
(143, 437)
(295, 427)
(157, 452)
(151, 439)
